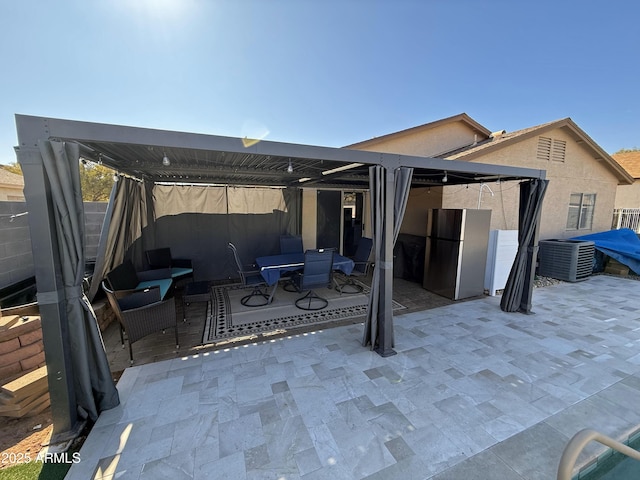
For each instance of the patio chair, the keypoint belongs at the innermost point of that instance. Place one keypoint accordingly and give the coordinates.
(250, 277)
(317, 272)
(181, 268)
(141, 312)
(360, 268)
(291, 244)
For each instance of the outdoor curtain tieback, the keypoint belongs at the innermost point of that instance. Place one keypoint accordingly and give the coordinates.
(73, 292)
(54, 296)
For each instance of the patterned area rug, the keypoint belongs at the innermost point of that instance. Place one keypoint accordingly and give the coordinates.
(228, 318)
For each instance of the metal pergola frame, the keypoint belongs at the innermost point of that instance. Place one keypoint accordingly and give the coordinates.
(199, 158)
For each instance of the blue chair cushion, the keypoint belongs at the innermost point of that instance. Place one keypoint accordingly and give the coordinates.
(254, 279)
(164, 284)
(180, 272)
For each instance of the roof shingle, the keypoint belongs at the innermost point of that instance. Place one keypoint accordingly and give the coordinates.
(493, 141)
(630, 161)
(10, 178)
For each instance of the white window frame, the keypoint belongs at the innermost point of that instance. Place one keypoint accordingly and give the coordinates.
(582, 207)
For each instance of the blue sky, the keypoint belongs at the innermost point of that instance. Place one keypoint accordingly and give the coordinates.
(322, 72)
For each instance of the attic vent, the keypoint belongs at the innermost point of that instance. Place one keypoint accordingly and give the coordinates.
(558, 150)
(544, 148)
(551, 149)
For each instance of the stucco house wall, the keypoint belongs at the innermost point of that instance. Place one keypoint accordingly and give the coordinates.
(418, 204)
(11, 186)
(503, 203)
(429, 140)
(628, 196)
(584, 170)
(426, 142)
(579, 173)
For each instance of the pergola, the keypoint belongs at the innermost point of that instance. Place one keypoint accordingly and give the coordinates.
(49, 150)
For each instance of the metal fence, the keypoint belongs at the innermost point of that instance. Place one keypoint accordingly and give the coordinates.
(626, 218)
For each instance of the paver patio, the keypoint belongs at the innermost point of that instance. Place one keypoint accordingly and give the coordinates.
(472, 393)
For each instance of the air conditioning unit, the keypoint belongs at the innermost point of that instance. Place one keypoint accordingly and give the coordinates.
(568, 260)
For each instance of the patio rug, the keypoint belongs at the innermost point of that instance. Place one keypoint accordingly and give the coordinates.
(227, 318)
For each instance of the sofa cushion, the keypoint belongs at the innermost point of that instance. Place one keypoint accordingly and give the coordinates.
(159, 258)
(123, 277)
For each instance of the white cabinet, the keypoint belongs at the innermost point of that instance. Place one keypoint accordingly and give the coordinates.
(503, 245)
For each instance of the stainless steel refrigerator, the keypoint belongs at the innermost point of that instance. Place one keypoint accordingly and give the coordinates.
(456, 252)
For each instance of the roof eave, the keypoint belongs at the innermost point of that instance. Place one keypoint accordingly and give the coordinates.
(623, 176)
(463, 117)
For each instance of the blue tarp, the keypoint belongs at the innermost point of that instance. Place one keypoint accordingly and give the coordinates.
(622, 245)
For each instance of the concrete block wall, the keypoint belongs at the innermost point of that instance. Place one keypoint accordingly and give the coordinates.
(16, 260)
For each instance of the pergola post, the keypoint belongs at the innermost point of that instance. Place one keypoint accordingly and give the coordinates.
(385, 310)
(51, 294)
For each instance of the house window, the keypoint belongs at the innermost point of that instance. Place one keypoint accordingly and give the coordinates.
(551, 149)
(581, 207)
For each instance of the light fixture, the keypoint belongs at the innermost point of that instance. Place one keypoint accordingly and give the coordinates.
(445, 179)
(115, 177)
(165, 160)
(304, 179)
(290, 167)
(342, 168)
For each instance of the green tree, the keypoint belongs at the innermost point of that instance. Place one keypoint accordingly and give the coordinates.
(627, 150)
(96, 182)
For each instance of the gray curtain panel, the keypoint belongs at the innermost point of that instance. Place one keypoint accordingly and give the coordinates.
(127, 216)
(376, 186)
(94, 387)
(198, 221)
(403, 177)
(402, 184)
(517, 291)
(100, 268)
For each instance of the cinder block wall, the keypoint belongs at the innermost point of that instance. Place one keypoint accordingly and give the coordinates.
(21, 347)
(16, 260)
